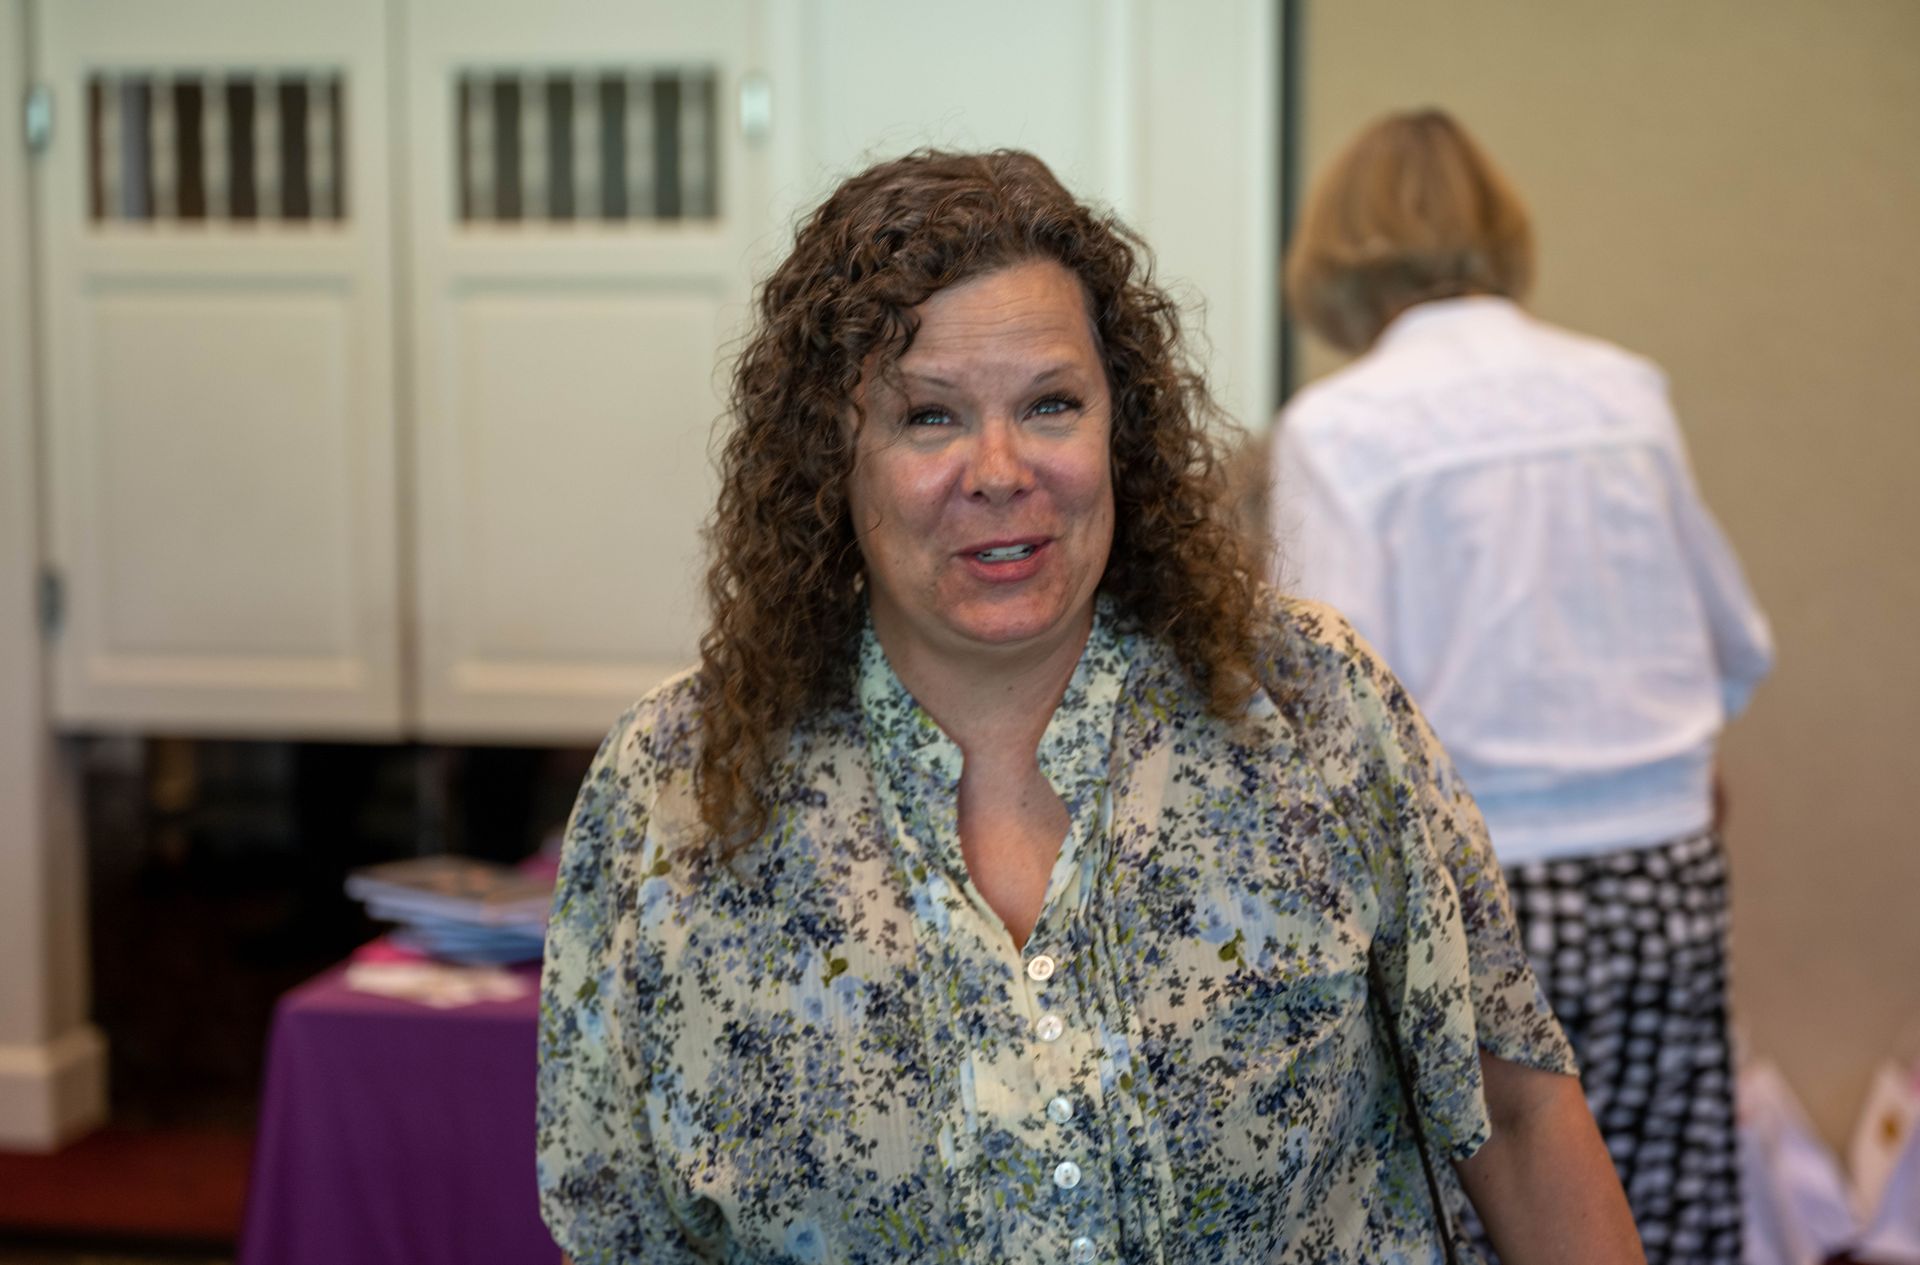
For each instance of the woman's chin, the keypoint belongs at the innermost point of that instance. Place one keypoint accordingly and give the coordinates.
(1018, 629)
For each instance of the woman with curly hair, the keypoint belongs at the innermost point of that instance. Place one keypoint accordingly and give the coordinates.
(1014, 879)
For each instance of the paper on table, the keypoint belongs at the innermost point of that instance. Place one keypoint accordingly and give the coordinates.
(437, 984)
(453, 888)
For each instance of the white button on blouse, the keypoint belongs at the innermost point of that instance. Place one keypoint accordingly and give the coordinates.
(1049, 1027)
(1040, 969)
(1066, 1175)
(1060, 1110)
(1081, 1250)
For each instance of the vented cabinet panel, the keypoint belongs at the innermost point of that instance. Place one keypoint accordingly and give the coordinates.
(216, 236)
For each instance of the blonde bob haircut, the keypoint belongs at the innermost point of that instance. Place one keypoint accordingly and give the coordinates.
(1411, 210)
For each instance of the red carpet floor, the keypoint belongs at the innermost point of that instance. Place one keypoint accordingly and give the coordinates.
(181, 1185)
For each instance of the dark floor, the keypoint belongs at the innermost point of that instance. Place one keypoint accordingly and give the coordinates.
(215, 880)
(106, 1256)
(75, 1254)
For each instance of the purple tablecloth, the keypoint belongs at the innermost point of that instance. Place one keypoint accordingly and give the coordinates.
(392, 1133)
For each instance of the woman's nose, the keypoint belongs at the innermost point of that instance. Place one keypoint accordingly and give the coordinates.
(998, 469)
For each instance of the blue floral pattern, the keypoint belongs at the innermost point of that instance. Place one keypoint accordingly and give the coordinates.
(831, 1049)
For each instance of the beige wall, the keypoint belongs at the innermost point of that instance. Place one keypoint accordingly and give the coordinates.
(1733, 187)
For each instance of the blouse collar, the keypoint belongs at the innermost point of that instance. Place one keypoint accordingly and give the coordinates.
(1438, 314)
(918, 766)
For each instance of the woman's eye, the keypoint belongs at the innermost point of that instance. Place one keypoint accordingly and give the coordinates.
(929, 417)
(1056, 404)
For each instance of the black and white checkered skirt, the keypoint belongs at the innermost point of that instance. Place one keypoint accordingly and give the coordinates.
(1631, 947)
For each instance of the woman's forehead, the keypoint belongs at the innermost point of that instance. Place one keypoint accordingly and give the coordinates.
(1029, 318)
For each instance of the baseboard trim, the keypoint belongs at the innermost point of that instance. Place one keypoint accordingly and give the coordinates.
(52, 1092)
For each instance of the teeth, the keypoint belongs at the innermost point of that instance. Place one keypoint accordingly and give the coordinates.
(1006, 553)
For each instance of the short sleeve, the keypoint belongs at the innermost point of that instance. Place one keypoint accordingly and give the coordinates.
(600, 1187)
(1512, 1017)
(1454, 974)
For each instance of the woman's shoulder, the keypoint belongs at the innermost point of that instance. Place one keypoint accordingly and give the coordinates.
(660, 730)
(1598, 353)
(1341, 698)
(647, 763)
(1306, 647)
(644, 765)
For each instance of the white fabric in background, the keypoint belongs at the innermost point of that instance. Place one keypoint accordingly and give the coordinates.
(1796, 1199)
(1506, 511)
(1886, 1124)
(1885, 1159)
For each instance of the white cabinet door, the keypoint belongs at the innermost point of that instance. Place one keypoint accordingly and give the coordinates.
(217, 338)
(582, 207)
(1167, 111)
(579, 217)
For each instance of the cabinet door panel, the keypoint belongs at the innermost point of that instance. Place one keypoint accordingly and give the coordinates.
(218, 346)
(579, 532)
(220, 421)
(582, 210)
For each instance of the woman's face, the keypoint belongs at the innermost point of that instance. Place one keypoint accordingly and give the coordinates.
(981, 492)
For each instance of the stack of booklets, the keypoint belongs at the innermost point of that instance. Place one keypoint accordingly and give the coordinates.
(458, 908)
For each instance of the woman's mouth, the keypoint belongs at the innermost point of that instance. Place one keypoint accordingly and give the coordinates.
(1005, 553)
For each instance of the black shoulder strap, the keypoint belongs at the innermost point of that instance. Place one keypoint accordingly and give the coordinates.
(1377, 988)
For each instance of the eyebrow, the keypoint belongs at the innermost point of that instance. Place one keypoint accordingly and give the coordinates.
(1045, 376)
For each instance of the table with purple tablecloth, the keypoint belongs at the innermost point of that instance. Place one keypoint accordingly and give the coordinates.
(393, 1132)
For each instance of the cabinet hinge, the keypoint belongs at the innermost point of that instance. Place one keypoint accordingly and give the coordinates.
(37, 118)
(756, 107)
(53, 602)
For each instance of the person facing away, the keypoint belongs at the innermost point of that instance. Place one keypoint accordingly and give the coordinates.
(1505, 510)
(1015, 879)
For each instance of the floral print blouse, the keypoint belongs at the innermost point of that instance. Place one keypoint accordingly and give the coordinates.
(831, 1050)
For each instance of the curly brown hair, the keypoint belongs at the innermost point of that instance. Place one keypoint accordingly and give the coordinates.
(785, 584)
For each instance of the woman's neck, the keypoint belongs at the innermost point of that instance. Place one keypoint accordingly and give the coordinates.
(996, 703)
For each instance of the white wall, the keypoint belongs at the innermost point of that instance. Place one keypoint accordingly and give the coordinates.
(52, 1061)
